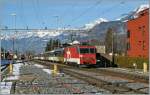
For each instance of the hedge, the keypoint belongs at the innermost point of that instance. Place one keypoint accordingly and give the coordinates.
(127, 62)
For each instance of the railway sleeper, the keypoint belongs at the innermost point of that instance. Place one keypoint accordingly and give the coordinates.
(101, 83)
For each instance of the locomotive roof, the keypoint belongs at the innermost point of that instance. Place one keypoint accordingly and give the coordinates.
(83, 46)
(59, 49)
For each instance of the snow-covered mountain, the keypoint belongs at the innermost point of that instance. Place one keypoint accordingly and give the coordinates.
(133, 14)
(94, 23)
(35, 40)
(28, 34)
(141, 8)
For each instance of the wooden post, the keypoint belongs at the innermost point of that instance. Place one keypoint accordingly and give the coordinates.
(145, 67)
(135, 66)
(55, 69)
(10, 68)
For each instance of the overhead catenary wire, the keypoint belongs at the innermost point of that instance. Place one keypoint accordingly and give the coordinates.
(41, 15)
(36, 7)
(36, 12)
(86, 11)
(22, 15)
(99, 14)
(66, 12)
(110, 8)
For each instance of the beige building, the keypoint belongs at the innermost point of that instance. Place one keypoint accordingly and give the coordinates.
(101, 49)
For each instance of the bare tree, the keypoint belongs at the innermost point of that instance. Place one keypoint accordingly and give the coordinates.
(108, 40)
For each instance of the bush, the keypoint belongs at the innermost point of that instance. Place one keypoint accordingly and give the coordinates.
(127, 62)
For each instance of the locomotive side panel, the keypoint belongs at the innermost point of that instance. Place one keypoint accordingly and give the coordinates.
(87, 55)
(71, 55)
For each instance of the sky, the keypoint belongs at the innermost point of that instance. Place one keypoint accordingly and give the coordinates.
(53, 14)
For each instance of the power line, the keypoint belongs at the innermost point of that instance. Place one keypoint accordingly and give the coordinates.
(67, 9)
(37, 17)
(42, 16)
(101, 13)
(22, 17)
(87, 10)
(110, 8)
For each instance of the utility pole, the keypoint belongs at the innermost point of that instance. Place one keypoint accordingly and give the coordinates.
(57, 20)
(14, 15)
(6, 44)
(89, 42)
(113, 56)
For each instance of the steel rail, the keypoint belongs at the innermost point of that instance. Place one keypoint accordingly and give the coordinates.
(112, 87)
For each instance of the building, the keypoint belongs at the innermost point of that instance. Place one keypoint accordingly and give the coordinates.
(138, 35)
(101, 49)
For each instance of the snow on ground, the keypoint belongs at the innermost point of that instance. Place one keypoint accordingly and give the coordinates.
(39, 66)
(47, 71)
(18, 61)
(16, 68)
(15, 72)
(12, 78)
(5, 87)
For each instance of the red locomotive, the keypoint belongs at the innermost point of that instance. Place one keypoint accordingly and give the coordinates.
(81, 55)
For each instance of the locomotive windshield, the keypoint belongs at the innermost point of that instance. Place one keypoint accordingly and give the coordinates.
(87, 50)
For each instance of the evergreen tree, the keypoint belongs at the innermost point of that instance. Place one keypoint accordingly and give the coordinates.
(2, 49)
(52, 44)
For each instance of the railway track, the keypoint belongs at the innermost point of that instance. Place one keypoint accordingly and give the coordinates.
(115, 83)
(99, 81)
(131, 77)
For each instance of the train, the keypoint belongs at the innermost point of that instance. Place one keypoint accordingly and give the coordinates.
(79, 55)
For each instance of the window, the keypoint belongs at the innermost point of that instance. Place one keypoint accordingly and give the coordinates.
(143, 33)
(128, 46)
(143, 30)
(143, 46)
(87, 50)
(92, 50)
(84, 50)
(142, 14)
(139, 28)
(143, 26)
(128, 34)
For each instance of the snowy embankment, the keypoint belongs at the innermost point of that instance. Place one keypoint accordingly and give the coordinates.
(39, 66)
(15, 72)
(6, 86)
(48, 71)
